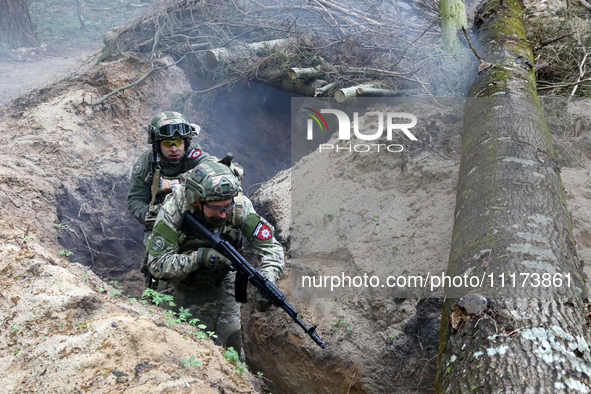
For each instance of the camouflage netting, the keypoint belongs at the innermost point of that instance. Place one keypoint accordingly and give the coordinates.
(392, 45)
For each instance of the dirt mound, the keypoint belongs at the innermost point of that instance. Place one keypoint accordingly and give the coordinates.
(65, 176)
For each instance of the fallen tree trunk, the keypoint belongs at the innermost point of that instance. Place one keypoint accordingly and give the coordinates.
(512, 232)
(217, 55)
(303, 73)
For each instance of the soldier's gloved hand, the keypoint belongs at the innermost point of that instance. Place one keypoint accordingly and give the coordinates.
(165, 185)
(261, 304)
(211, 259)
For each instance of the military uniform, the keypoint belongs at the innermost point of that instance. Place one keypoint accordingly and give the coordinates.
(174, 257)
(140, 185)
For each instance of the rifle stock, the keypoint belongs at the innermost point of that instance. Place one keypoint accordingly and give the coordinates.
(245, 272)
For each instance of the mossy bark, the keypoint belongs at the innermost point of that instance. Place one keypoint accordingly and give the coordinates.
(453, 17)
(511, 220)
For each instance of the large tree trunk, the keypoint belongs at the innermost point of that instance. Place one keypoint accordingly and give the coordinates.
(15, 24)
(511, 219)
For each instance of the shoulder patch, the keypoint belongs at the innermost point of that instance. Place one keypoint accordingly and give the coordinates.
(137, 168)
(162, 229)
(195, 153)
(158, 243)
(262, 232)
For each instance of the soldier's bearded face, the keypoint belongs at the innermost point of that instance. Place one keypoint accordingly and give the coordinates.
(172, 152)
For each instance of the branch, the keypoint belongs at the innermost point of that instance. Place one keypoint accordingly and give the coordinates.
(548, 42)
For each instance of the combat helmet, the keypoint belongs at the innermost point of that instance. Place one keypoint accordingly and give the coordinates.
(211, 181)
(171, 125)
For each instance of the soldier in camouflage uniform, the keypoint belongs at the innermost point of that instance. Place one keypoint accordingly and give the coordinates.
(177, 153)
(201, 276)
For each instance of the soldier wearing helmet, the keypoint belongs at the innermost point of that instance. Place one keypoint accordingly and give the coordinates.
(201, 277)
(171, 135)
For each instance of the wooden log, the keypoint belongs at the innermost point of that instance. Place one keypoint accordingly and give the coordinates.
(377, 92)
(345, 93)
(298, 86)
(200, 46)
(303, 73)
(216, 55)
(321, 91)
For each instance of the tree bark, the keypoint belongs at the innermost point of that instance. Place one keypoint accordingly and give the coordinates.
(511, 218)
(15, 24)
(453, 17)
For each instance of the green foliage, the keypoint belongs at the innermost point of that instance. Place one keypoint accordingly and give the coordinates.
(158, 298)
(337, 323)
(232, 356)
(191, 362)
(327, 212)
(375, 218)
(350, 328)
(65, 252)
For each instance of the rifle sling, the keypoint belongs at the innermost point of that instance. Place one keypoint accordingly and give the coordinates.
(155, 182)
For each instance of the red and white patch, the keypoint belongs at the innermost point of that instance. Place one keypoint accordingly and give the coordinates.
(195, 153)
(262, 231)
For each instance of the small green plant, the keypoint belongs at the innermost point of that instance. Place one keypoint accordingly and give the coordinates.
(116, 292)
(393, 336)
(191, 362)
(158, 298)
(84, 277)
(375, 218)
(241, 367)
(184, 314)
(211, 334)
(337, 323)
(27, 238)
(171, 320)
(232, 355)
(65, 252)
(260, 375)
(327, 212)
(350, 328)
(14, 329)
(341, 233)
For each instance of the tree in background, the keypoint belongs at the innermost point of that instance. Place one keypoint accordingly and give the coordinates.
(15, 24)
(453, 18)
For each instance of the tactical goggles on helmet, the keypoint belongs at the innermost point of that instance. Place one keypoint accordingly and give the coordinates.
(171, 143)
(170, 129)
(221, 209)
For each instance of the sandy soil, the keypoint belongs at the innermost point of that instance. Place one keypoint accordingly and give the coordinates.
(26, 69)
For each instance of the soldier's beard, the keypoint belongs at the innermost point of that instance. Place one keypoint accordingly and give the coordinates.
(213, 222)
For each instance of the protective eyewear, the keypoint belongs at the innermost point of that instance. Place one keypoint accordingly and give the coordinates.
(221, 209)
(171, 143)
(170, 129)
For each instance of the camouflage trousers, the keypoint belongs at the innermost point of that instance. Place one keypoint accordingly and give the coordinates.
(210, 298)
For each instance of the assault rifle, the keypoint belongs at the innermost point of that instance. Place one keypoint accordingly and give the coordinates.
(245, 272)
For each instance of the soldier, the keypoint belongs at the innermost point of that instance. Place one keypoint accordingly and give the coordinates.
(171, 136)
(201, 276)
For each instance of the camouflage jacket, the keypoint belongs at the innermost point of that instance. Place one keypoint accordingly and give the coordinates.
(171, 253)
(140, 184)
